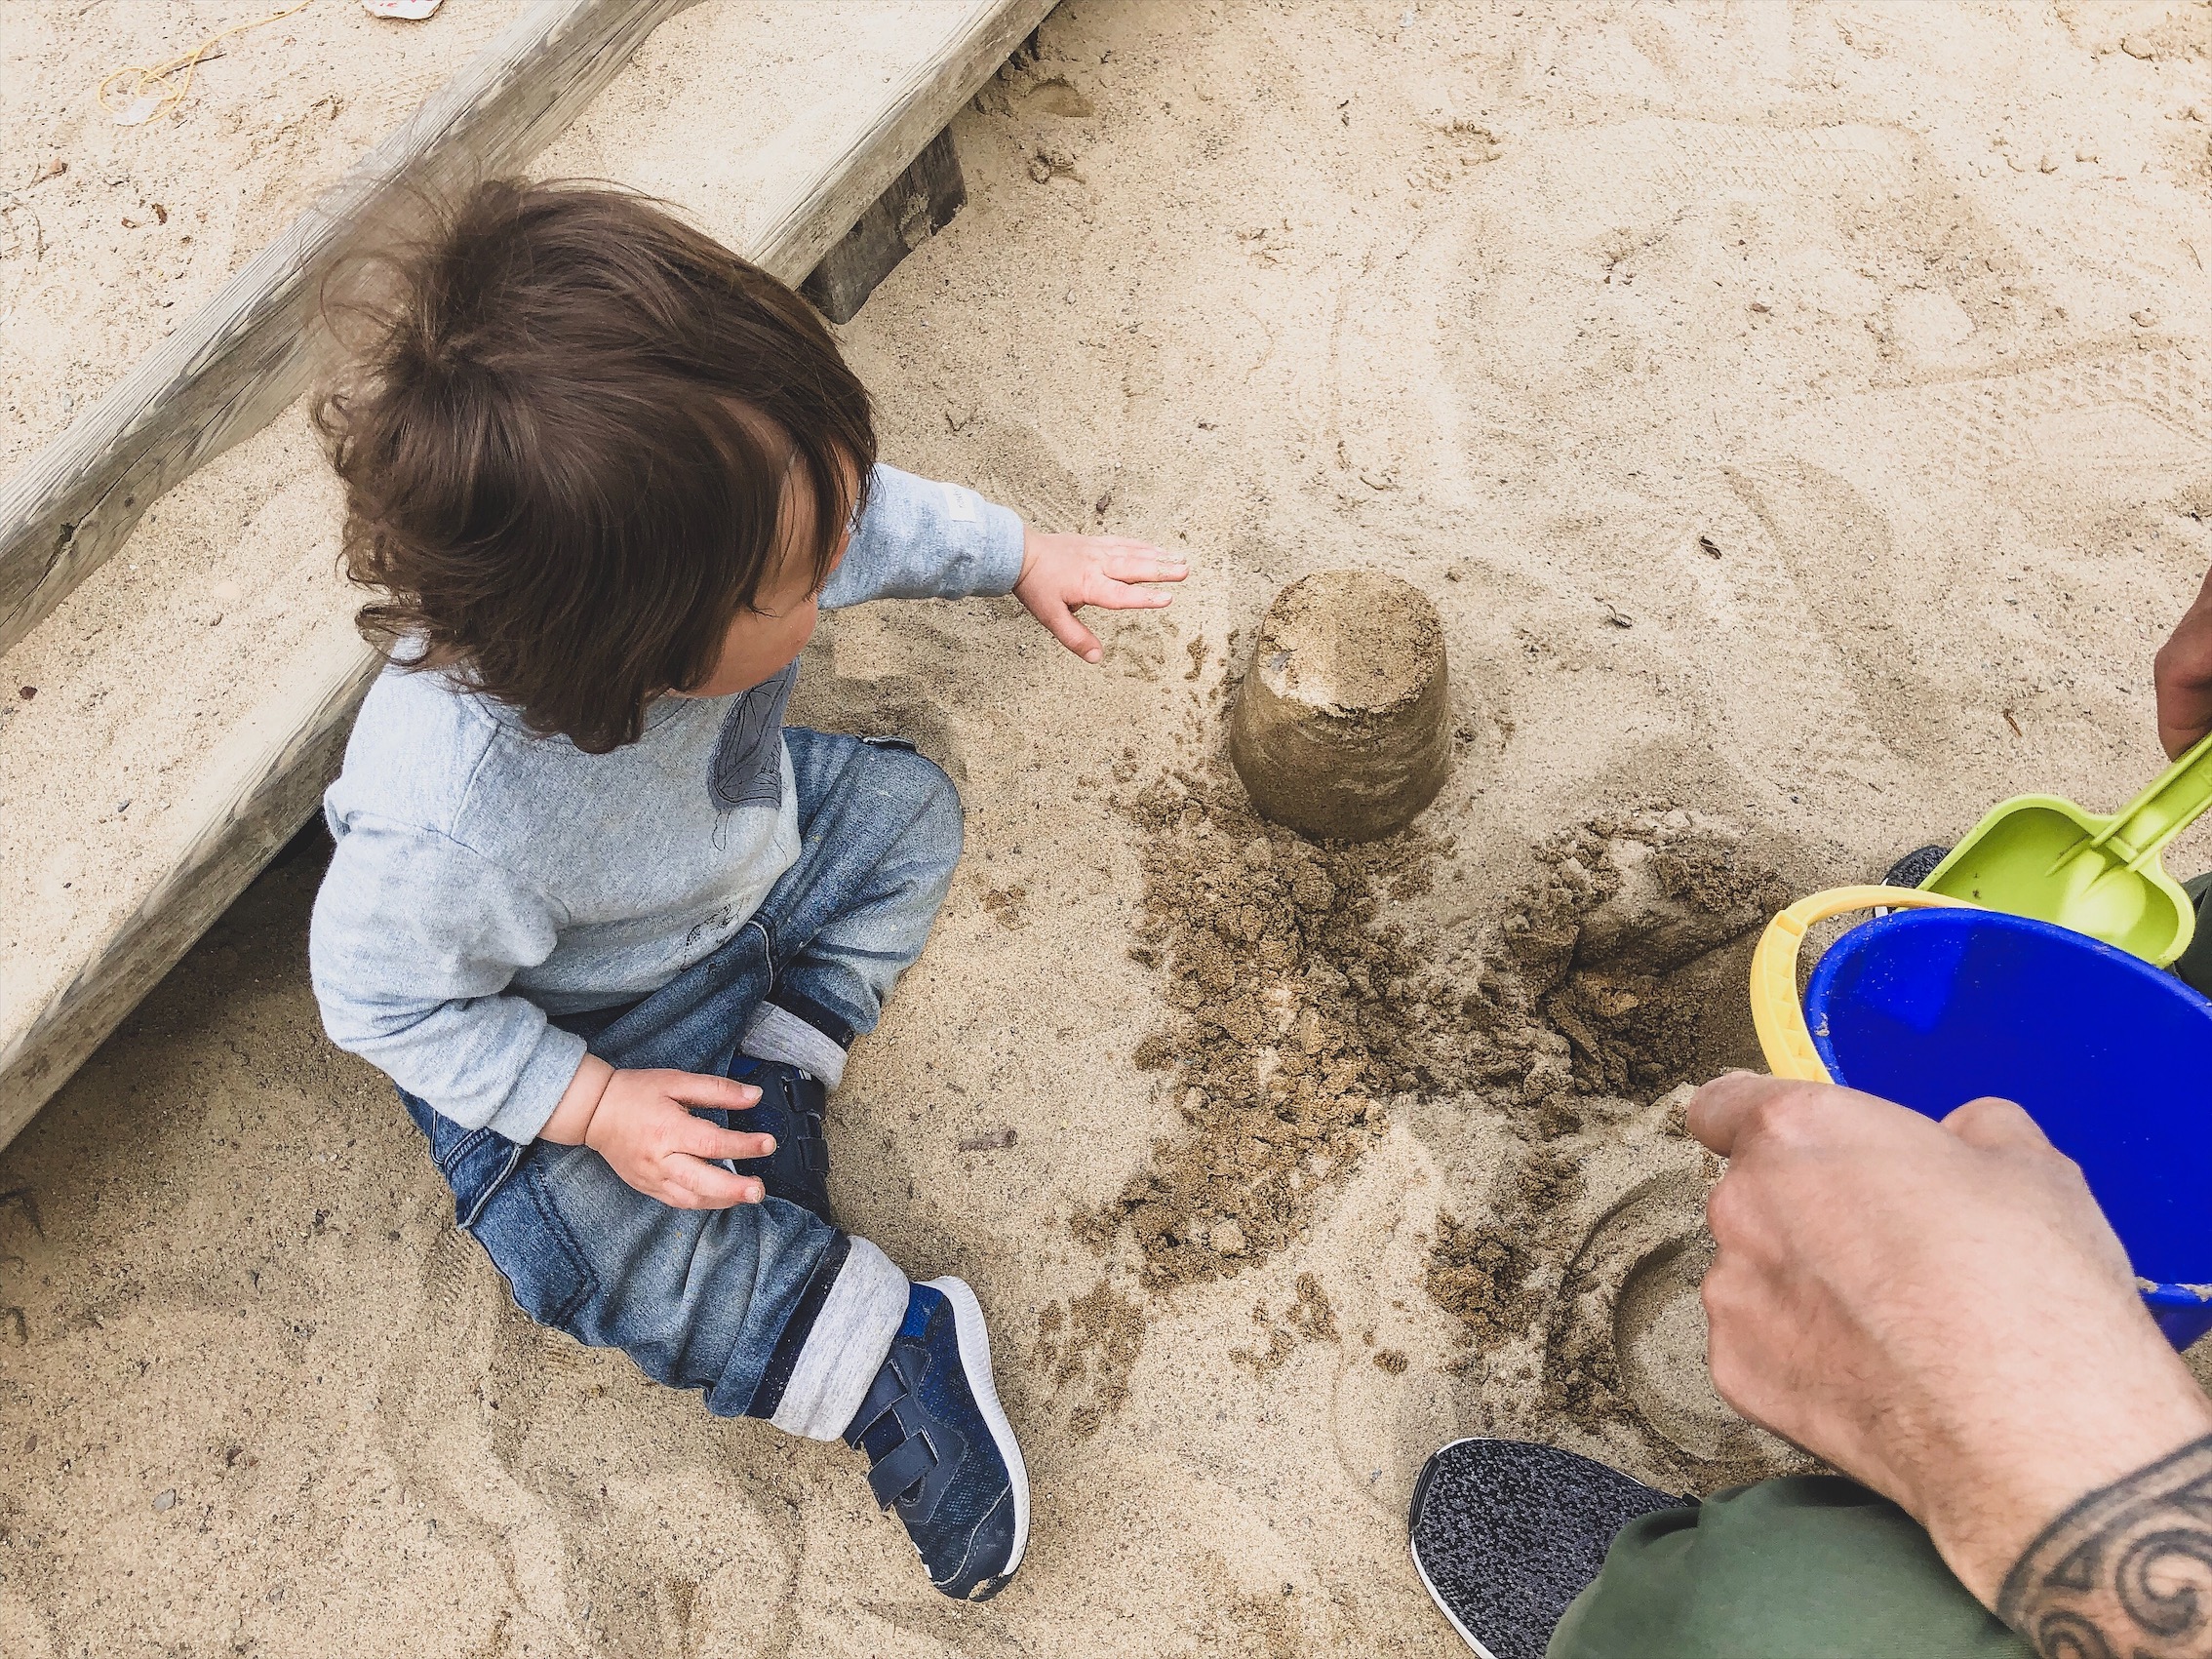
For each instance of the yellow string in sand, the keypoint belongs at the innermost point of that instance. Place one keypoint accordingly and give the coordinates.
(172, 93)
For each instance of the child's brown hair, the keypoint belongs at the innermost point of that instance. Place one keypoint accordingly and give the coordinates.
(565, 451)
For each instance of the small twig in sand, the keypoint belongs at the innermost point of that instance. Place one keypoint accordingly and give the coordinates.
(989, 1141)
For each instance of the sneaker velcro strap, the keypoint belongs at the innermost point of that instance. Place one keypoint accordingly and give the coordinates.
(884, 1396)
(900, 1470)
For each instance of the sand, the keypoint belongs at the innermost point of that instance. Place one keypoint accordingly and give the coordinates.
(1798, 465)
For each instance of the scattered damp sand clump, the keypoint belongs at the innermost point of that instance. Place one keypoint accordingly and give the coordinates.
(1091, 1345)
(1608, 974)
(1487, 1274)
(1307, 1011)
(1623, 965)
(1298, 1011)
(1311, 1004)
(1310, 1316)
(1609, 965)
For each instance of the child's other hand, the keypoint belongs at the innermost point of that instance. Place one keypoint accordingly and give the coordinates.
(640, 1127)
(1063, 574)
(2182, 671)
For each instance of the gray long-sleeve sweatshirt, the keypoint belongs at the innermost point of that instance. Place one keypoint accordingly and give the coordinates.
(486, 876)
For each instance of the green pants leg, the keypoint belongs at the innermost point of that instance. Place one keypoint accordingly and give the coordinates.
(1809, 1567)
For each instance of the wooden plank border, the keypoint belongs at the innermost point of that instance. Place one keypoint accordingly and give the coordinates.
(254, 346)
(281, 782)
(920, 202)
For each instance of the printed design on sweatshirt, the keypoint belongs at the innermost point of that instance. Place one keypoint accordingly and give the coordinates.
(748, 759)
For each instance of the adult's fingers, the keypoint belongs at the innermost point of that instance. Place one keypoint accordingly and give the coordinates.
(1728, 1294)
(1739, 1107)
(1718, 1111)
(703, 1089)
(1996, 1125)
(2182, 674)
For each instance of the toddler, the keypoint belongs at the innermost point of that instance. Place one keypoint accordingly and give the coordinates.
(607, 922)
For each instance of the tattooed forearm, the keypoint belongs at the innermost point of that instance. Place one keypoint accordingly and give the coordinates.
(2126, 1573)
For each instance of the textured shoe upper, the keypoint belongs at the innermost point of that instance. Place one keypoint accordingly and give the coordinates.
(1506, 1534)
(932, 1459)
(791, 1107)
(1916, 867)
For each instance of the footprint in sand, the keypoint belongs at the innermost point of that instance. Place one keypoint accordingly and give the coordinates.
(573, 1498)
(1625, 1356)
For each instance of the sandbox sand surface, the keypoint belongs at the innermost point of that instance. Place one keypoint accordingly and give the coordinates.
(1802, 420)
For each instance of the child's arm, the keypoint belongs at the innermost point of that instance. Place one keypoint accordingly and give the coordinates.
(920, 539)
(414, 940)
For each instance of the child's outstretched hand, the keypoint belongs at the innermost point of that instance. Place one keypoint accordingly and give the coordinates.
(639, 1122)
(1063, 574)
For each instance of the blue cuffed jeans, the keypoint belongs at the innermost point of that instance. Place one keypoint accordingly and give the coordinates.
(766, 1310)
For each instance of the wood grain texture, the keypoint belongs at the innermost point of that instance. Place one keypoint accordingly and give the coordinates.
(278, 783)
(253, 348)
(920, 202)
(822, 209)
(243, 832)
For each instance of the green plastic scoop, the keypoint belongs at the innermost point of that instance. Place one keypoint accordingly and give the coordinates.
(2039, 857)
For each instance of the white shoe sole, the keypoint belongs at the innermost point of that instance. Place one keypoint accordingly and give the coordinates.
(1430, 1585)
(975, 1360)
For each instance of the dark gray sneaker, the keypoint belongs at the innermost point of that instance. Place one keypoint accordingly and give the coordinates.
(1505, 1534)
(940, 1451)
(1916, 867)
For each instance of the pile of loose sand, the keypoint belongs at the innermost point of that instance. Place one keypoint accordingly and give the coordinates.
(1305, 1014)
(1297, 1012)
(1776, 434)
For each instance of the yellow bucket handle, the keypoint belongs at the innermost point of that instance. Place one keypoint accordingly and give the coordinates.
(1777, 1015)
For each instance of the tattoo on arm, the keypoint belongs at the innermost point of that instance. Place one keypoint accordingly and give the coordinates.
(2126, 1573)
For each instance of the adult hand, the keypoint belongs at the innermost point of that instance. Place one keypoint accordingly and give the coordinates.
(1063, 574)
(2183, 673)
(1939, 1311)
(640, 1122)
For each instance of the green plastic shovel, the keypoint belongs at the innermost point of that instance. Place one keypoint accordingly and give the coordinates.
(2039, 857)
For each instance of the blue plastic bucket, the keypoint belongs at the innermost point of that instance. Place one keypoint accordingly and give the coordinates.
(2110, 1057)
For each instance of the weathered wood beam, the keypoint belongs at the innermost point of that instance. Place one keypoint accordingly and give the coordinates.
(226, 373)
(920, 203)
(243, 828)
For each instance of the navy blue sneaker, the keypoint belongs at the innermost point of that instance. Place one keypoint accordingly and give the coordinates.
(940, 1451)
(790, 1108)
